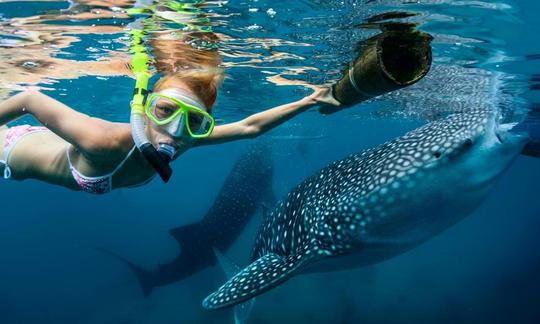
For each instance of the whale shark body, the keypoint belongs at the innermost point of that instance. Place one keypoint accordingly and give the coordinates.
(377, 204)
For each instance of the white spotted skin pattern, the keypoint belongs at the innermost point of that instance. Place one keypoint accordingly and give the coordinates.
(381, 202)
(332, 209)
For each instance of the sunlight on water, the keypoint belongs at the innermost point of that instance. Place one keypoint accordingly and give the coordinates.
(271, 43)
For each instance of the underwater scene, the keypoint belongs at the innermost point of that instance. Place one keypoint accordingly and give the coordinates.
(257, 161)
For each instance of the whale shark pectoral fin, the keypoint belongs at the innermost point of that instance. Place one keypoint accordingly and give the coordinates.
(260, 276)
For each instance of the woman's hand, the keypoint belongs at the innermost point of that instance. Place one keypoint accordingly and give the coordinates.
(322, 95)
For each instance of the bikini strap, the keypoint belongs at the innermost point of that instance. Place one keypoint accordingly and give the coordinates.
(121, 164)
(68, 158)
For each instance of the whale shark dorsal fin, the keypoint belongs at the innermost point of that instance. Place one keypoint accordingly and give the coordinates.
(262, 275)
(188, 236)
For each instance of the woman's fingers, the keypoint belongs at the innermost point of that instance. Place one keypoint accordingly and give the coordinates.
(325, 96)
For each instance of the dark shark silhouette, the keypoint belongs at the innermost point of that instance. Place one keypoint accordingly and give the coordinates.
(246, 188)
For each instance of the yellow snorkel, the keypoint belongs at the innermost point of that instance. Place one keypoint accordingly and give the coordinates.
(139, 67)
(158, 158)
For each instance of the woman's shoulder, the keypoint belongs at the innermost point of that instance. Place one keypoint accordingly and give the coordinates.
(112, 139)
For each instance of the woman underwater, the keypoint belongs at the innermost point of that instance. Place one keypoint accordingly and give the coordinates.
(93, 155)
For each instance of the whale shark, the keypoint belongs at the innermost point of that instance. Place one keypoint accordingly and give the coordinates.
(246, 189)
(379, 203)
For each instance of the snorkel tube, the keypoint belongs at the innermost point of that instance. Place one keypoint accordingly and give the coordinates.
(160, 158)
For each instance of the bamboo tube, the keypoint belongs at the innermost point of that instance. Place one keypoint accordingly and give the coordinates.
(396, 58)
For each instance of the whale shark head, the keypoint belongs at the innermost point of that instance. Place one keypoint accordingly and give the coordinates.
(407, 190)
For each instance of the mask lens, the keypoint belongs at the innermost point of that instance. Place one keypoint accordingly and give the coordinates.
(163, 108)
(199, 124)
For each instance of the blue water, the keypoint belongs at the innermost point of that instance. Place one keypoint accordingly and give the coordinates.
(484, 269)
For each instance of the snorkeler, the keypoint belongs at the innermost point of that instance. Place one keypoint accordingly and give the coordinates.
(93, 155)
(96, 156)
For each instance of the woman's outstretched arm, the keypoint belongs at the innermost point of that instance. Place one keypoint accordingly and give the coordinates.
(91, 135)
(259, 123)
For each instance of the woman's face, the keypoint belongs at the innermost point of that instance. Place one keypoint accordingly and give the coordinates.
(159, 135)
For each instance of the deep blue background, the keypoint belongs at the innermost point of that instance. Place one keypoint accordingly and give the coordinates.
(485, 269)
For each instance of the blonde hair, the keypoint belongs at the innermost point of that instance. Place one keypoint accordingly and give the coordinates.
(204, 83)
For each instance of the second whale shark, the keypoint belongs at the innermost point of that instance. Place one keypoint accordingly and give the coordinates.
(379, 203)
(247, 188)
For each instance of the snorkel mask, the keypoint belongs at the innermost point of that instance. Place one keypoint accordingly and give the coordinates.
(174, 111)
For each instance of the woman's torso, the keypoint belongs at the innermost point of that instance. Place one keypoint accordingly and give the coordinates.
(43, 155)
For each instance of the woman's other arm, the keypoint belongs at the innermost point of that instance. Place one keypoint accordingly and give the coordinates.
(262, 122)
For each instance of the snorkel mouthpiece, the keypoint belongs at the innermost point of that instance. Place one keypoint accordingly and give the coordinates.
(158, 159)
(166, 151)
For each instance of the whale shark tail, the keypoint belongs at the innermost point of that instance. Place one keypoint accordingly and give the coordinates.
(145, 277)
